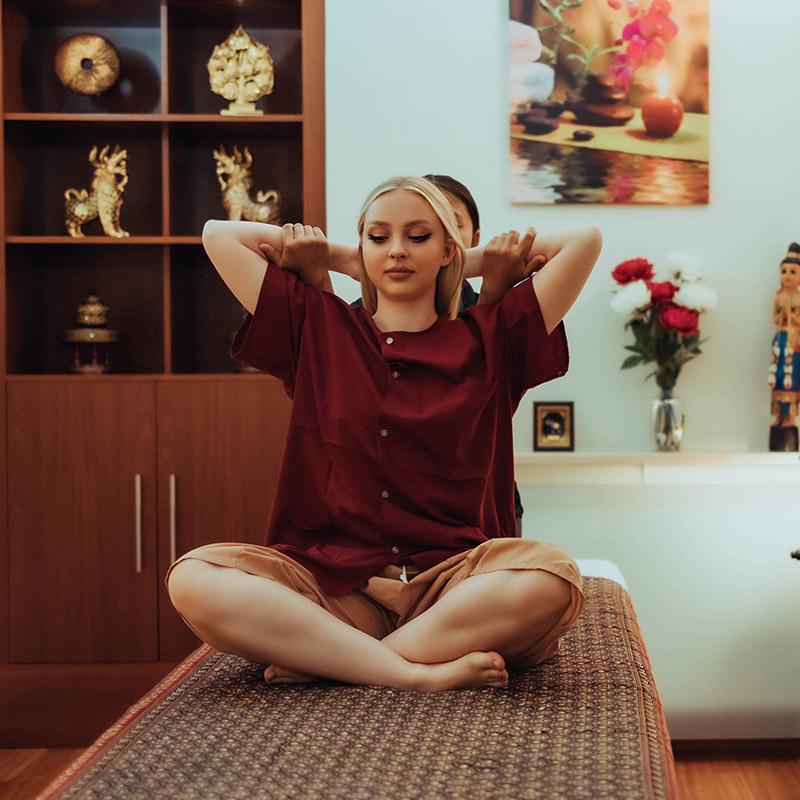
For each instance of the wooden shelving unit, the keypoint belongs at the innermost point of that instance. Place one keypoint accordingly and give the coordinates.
(174, 410)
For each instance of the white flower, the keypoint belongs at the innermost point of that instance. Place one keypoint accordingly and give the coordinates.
(631, 297)
(696, 296)
(684, 266)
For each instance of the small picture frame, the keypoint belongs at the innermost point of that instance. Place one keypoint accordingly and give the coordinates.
(554, 426)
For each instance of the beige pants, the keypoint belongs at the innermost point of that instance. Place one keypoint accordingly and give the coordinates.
(385, 602)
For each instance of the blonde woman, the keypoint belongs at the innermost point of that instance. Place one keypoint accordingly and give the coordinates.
(389, 557)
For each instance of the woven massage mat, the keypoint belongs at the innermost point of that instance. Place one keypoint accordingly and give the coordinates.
(587, 723)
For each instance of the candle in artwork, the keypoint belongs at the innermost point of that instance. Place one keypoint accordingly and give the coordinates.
(662, 114)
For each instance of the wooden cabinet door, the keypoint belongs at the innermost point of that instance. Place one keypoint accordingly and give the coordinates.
(219, 449)
(82, 521)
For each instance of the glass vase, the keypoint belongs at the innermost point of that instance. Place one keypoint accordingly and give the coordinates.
(667, 422)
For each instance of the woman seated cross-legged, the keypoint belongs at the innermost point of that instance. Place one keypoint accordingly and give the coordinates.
(390, 555)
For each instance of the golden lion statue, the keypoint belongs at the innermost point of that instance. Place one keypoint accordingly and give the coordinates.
(105, 200)
(233, 174)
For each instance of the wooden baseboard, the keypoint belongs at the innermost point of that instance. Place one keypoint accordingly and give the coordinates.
(739, 748)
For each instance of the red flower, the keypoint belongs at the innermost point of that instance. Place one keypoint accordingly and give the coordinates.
(662, 292)
(680, 319)
(634, 269)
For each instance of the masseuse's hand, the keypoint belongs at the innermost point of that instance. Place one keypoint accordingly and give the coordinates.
(506, 261)
(305, 252)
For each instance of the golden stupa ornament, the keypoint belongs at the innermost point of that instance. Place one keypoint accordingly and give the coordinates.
(87, 63)
(233, 174)
(241, 70)
(91, 341)
(104, 200)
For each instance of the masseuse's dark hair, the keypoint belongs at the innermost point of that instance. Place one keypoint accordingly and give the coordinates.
(449, 184)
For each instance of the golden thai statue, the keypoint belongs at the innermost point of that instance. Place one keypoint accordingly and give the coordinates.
(784, 371)
(233, 174)
(104, 200)
(241, 70)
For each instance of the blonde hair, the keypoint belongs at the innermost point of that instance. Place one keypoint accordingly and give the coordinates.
(450, 277)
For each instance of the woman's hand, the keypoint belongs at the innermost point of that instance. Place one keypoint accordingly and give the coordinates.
(305, 251)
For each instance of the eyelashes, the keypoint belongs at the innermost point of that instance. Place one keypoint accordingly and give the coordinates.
(381, 239)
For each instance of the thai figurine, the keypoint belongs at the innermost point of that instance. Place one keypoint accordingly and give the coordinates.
(784, 371)
(233, 174)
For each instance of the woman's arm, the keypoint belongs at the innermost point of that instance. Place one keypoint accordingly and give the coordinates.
(571, 256)
(233, 248)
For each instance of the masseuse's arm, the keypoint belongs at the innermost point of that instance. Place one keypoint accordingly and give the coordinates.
(233, 248)
(571, 255)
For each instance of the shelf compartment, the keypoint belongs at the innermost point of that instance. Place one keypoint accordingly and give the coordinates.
(44, 159)
(193, 31)
(205, 314)
(33, 32)
(46, 284)
(195, 194)
(36, 116)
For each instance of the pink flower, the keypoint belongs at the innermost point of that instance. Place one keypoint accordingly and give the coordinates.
(636, 50)
(615, 4)
(634, 269)
(679, 319)
(631, 30)
(659, 8)
(655, 52)
(652, 25)
(623, 77)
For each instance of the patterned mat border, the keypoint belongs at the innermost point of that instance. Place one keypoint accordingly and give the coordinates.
(169, 682)
(659, 760)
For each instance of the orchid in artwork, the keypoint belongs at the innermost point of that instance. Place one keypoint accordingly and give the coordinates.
(642, 43)
(644, 38)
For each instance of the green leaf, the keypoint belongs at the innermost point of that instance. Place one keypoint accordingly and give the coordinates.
(631, 361)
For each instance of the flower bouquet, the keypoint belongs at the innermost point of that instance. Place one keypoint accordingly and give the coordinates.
(665, 320)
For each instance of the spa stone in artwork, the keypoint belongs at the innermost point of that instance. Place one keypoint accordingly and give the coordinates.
(601, 103)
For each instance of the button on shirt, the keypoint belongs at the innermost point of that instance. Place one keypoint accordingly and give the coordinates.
(378, 470)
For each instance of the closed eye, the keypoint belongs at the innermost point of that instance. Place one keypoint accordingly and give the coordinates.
(380, 239)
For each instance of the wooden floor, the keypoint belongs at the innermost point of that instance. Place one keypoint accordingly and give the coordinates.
(706, 771)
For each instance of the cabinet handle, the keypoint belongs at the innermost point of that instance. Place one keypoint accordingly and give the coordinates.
(138, 487)
(172, 527)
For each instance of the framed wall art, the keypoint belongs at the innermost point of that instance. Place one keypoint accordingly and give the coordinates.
(609, 101)
(554, 426)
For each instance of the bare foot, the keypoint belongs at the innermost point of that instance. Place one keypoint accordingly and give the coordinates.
(275, 674)
(470, 671)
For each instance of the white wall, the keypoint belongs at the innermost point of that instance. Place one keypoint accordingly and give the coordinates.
(418, 87)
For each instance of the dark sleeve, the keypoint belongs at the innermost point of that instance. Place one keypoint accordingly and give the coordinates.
(269, 340)
(533, 356)
(518, 509)
(468, 296)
